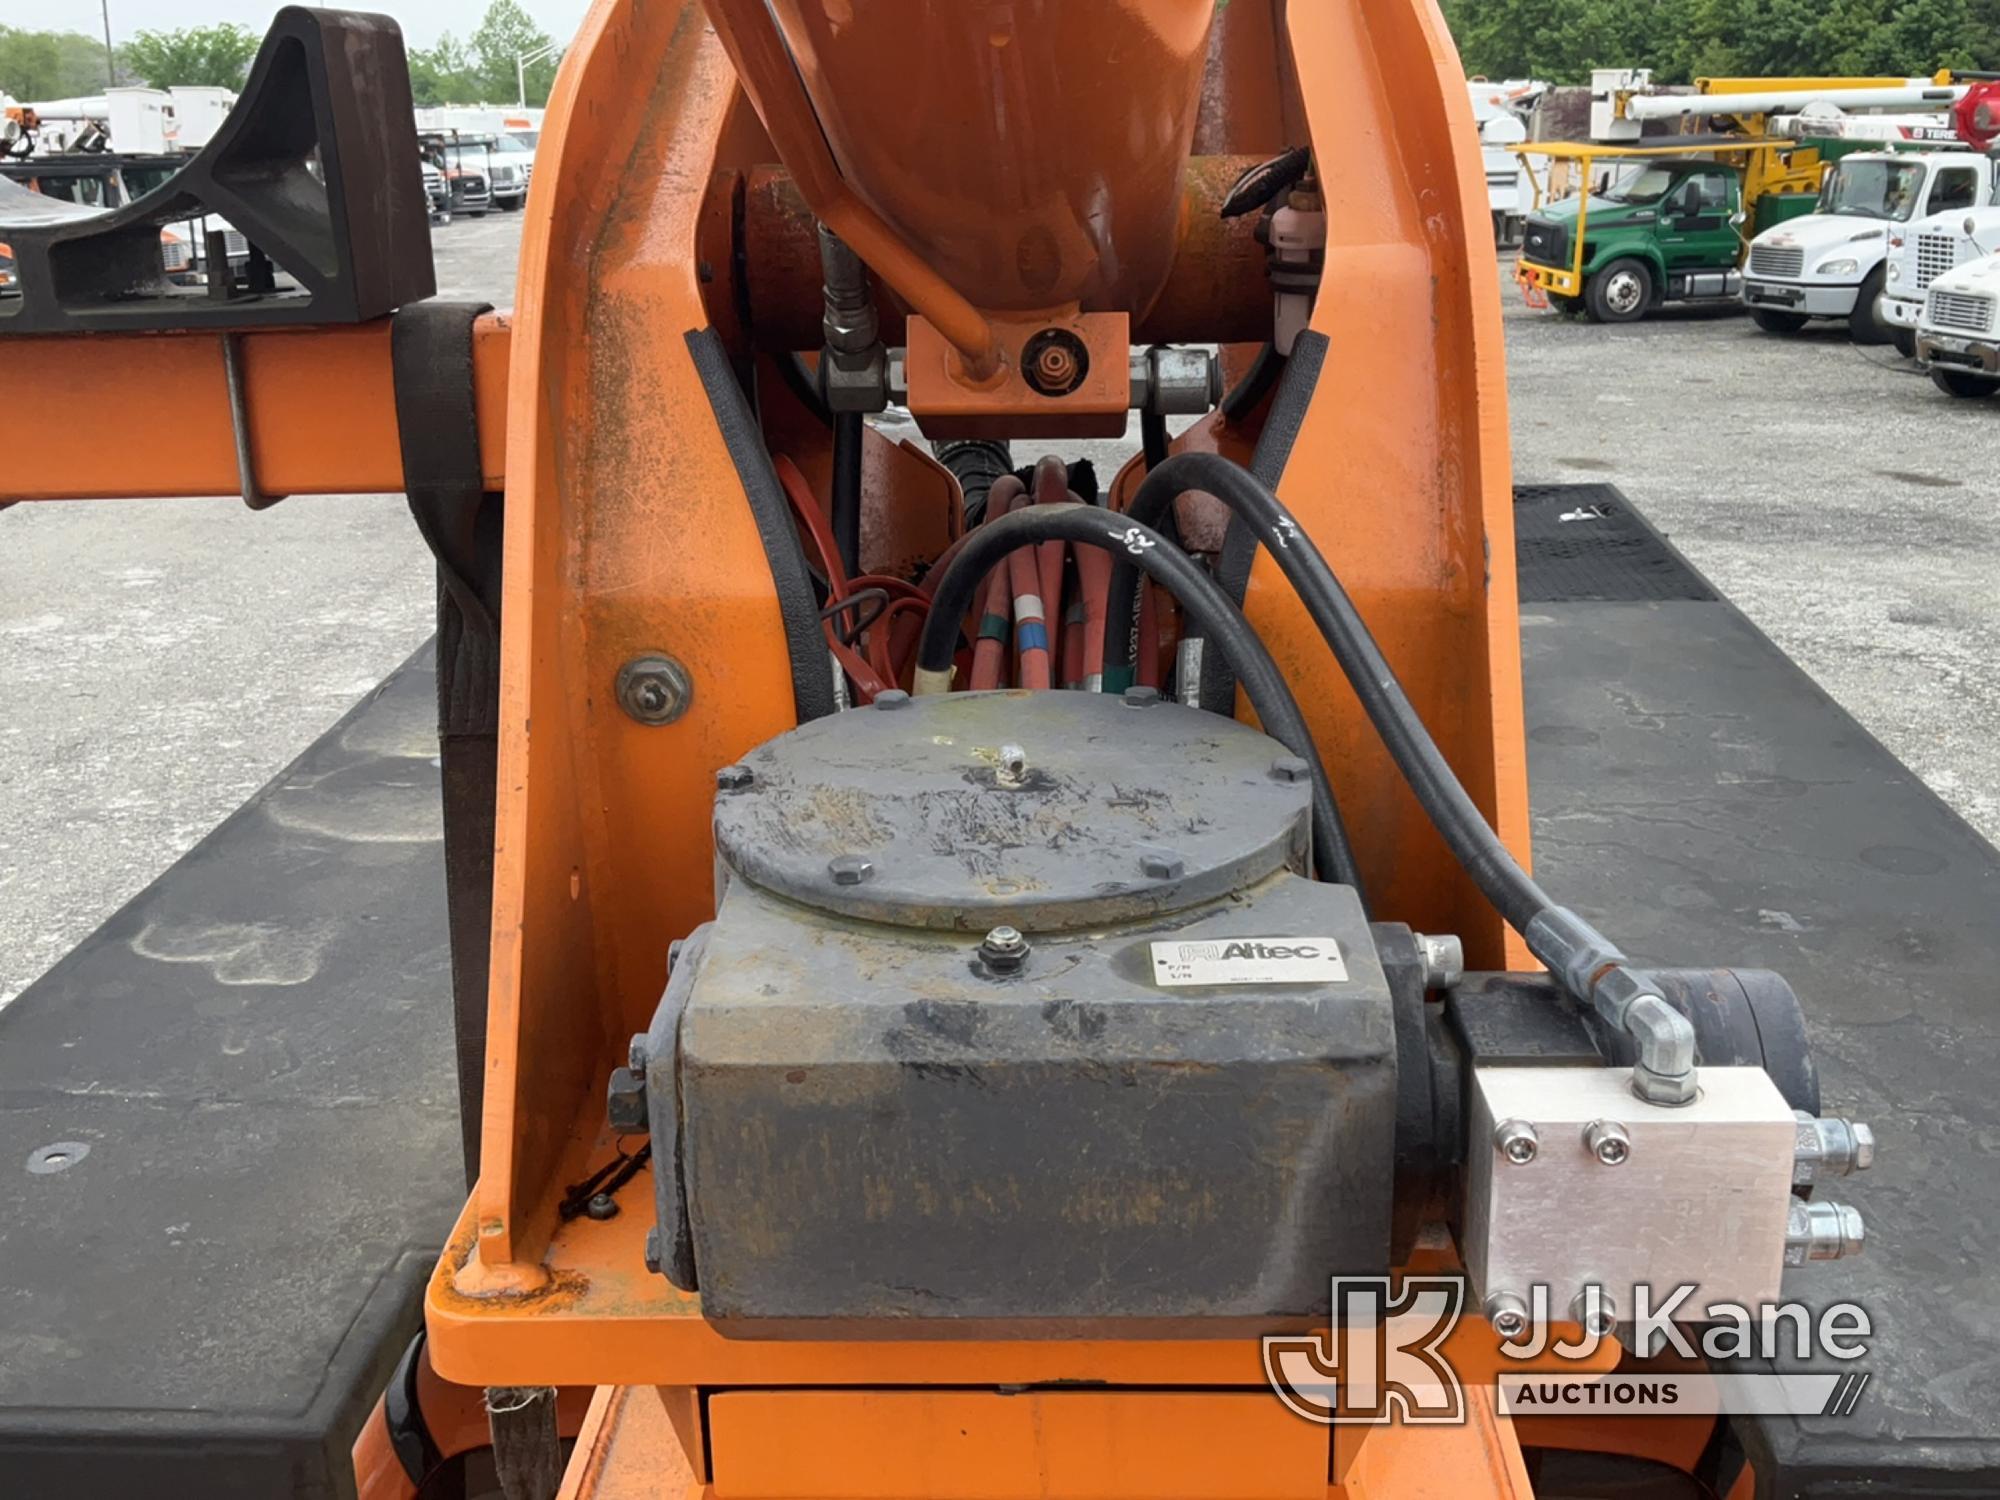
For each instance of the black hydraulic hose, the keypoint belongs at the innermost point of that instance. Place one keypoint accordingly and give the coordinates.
(1153, 438)
(847, 489)
(1221, 622)
(803, 382)
(1465, 830)
(1255, 385)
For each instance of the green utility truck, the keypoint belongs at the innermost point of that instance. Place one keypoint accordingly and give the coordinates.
(1667, 226)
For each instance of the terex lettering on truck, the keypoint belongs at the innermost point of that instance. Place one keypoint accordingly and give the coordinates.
(1831, 263)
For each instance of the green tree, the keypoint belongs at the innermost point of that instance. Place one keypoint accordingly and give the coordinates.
(509, 32)
(217, 55)
(444, 74)
(50, 64)
(1681, 40)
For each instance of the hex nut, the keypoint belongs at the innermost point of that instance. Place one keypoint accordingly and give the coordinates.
(1141, 697)
(734, 778)
(655, 1254)
(625, 1102)
(1004, 950)
(892, 698)
(654, 689)
(1161, 864)
(601, 1206)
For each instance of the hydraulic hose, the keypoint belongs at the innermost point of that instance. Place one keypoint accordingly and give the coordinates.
(1244, 396)
(1590, 965)
(846, 506)
(1465, 830)
(1221, 623)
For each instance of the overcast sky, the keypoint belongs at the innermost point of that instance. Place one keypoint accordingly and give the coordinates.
(422, 19)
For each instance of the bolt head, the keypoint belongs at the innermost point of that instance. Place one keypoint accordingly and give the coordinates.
(734, 778)
(655, 1252)
(1592, 1311)
(892, 698)
(1516, 1141)
(1004, 950)
(625, 1102)
(1864, 1146)
(654, 689)
(601, 1206)
(1508, 1315)
(1290, 768)
(1141, 697)
(1161, 865)
(850, 869)
(1608, 1142)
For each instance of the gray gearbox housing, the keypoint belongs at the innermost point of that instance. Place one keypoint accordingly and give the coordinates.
(1178, 1106)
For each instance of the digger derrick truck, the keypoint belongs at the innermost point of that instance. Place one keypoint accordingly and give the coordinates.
(918, 1036)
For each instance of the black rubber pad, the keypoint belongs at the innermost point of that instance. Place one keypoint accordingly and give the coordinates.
(1579, 542)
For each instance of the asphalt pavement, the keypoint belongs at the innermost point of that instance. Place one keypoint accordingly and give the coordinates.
(160, 660)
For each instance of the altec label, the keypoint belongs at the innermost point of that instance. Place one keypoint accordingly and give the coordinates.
(1249, 960)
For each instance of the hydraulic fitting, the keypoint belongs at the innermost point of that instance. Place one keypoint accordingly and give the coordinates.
(1822, 1231)
(1830, 1148)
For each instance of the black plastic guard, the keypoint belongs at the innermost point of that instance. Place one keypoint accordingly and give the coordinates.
(317, 167)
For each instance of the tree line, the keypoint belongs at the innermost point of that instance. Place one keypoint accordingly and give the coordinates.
(1681, 40)
(65, 64)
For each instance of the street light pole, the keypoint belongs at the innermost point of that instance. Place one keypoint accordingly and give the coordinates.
(110, 57)
(522, 61)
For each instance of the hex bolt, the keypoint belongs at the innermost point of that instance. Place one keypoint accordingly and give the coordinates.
(1004, 950)
(1290, 768)
(892, 698)
(625, 1102)
(850, 869)
(1508, 1314)
(1161, 864)
(1608, 1141)
(1013, 768)
(734, 778)
(1444, 958)
(1516, 1140)
(1141, 697)
(601, 1206)
(1830, 1147)
(654, 689)
(1594, 1312)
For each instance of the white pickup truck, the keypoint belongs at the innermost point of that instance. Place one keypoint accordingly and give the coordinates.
(1958, 335)
(1831, 263)
(1921, 252)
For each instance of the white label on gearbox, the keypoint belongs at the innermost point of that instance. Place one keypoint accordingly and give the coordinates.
(1233, 960)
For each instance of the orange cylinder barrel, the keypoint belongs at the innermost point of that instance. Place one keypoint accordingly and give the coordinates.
(1034, 159)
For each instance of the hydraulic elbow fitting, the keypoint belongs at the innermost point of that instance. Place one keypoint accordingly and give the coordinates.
(1593, 969)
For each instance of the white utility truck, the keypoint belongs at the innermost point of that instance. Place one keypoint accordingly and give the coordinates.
(1958, 335)
(1503, 112)
(1921, 252)
(1832, 263)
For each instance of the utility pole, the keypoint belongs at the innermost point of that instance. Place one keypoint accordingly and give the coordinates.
(110, 57)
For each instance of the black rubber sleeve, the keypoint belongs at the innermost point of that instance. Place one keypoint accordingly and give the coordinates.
(1134, 544)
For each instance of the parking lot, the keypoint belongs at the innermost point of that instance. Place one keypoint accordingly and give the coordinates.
(162, 659)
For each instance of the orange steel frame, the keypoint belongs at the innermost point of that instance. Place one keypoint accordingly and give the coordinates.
(627, 531)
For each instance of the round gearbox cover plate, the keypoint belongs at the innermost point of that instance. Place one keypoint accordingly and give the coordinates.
(1043, 811)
